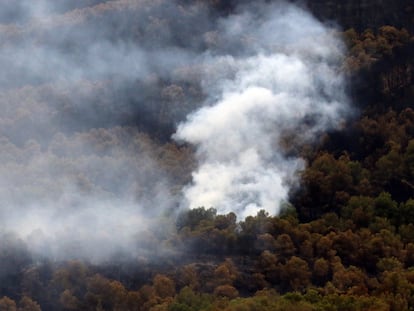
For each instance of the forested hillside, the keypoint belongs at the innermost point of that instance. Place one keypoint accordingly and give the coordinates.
(104, 106)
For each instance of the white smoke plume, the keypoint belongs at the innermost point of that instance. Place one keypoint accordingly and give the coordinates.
(91, 92)
(286, 79)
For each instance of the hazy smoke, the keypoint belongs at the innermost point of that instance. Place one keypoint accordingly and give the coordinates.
(79, 86)
(284, 79)
(90, 195)
(83, 81)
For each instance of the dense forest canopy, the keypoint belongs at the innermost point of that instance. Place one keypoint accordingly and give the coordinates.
(206, 155)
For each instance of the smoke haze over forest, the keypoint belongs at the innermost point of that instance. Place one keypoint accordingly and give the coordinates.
(198, 155)
(91, 93)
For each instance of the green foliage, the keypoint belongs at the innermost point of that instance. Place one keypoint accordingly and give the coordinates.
(195, 217)
(188, 300)
(385, 206)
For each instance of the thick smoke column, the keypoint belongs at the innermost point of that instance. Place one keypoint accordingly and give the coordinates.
(285, 79)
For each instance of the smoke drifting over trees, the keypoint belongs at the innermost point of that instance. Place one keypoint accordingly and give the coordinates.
(91, 93)
(147, 149)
